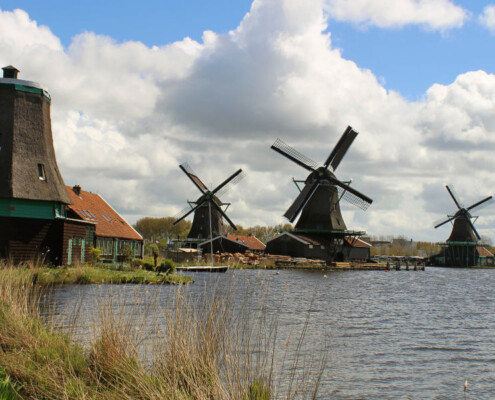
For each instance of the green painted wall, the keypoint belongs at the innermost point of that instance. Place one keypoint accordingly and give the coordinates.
(31, 209)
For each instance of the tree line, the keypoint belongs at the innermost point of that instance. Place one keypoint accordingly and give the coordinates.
(161, 230)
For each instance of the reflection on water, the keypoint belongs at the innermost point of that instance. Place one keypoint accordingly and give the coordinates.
(392, 335)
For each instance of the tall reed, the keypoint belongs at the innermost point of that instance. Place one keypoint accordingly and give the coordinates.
(143, 347)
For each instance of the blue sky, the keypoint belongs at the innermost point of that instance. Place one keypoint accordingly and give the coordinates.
(408, 59)
(415, 78)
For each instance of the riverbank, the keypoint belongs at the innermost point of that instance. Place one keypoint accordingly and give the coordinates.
(88, 275)
(204, 350)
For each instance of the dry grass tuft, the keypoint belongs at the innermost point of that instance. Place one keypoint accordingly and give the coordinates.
(212, 348)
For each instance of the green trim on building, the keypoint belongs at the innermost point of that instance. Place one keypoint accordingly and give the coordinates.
(28, 89)
(22, 208)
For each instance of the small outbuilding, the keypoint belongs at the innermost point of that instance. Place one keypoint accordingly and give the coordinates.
(318, 246)
(222, 244)
(113, 235)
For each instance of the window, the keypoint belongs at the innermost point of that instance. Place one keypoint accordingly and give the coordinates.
(41, 172)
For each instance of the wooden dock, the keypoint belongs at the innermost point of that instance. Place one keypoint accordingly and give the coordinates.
(204, 268)
(388, 266)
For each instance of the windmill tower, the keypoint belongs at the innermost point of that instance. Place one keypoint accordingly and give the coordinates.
(318, 202)
(33, 195)
(28, 168)
(462, 247)
(207, 209)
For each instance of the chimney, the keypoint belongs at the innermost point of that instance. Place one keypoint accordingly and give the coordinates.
(77, 190)
(10, 72)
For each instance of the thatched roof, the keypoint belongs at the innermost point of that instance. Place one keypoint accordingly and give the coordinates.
(28, 167)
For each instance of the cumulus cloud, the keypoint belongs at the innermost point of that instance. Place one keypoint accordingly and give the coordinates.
(487, 19)
(433, 14)
(125, 115)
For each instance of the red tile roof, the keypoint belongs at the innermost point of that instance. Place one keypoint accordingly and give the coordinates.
(91, 207)
(251, 241)
(356, 242)
(483, 252)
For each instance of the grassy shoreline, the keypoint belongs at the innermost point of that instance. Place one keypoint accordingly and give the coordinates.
(88, 275)
(204, 351)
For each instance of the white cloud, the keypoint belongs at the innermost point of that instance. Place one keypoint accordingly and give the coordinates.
(125, 115)
(487, 19)
(432, 14)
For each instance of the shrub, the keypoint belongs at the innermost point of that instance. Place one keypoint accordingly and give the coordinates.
(148, 265)
(126, 252)
(167, 266)
(95, 254)
(137, 262)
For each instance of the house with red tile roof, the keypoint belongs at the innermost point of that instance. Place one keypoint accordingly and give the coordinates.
(252, 242)
(112, 233)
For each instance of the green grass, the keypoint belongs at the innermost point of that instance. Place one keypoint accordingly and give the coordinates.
(86, 275)
(8, 390)
(205, 351)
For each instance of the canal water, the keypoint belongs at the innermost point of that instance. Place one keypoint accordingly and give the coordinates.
(388, 335)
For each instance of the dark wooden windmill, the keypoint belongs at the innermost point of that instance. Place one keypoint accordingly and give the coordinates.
(320, 231)
(33, 196)
(461, 248)
(207, 209)
(318, 201)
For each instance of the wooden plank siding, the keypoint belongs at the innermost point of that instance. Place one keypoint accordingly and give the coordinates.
(42, 240)
(80, 236)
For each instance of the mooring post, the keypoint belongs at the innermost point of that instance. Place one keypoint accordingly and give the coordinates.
(416, 266)
(397, 267)
(388, 264)
(407, 265)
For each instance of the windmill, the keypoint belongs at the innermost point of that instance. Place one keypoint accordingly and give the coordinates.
(207, 209)
(319, 200)
(462, 243)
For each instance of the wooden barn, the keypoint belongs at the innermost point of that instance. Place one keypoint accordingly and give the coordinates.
(112, 234)
(33, 198)
(318, 246)
(222, 244)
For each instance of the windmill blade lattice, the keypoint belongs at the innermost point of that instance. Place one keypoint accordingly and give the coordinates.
(231, 184)
(292, 154)
(193, 177)
(351, 198)
(184, 213)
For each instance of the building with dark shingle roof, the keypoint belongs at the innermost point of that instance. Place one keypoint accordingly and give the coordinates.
(318, 246)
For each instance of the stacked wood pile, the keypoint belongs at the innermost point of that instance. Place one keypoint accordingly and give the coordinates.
(249, 258)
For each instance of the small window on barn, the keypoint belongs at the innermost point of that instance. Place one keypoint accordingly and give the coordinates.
(310, 246)
(41, 172)
(322, 247)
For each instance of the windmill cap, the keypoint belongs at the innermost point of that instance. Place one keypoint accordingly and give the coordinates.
(10, 72)
(10, 77)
